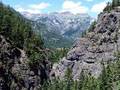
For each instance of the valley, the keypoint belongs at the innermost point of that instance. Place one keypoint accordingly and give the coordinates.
(60, 51)
(59, 27)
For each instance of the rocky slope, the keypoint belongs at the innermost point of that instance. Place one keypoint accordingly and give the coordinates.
(21, 68)
(15, 72)
(60, 27)
(96, 47)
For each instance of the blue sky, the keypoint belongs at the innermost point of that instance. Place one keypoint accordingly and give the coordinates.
(92, 7)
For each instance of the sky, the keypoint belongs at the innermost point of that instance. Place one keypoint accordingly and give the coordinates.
(91, 7)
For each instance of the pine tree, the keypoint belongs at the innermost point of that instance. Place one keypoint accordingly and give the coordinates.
(118, 2)
(81, 80)
(115, 3)
(103, 78)
(68, 79)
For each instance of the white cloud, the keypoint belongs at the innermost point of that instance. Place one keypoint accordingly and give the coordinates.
(40, 6)
(97, 8)
(34, 9)
(28, 10)
(73, 7)
(89, 0)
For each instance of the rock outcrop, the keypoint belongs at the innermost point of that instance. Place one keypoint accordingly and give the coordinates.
(96, 47)
(15, 72)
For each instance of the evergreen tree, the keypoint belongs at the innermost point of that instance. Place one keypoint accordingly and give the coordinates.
(115, 3)
(68, 79)
(108, 8)
(103, 79)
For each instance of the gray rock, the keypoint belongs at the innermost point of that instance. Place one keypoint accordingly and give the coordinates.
(96, 47)
(14, 67)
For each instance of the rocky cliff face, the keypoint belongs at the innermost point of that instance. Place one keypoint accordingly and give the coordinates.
(23, 64)
(98, 46)
(15, 72)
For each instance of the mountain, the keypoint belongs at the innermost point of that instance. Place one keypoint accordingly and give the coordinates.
(93, 63)
(97, 48)
(23, 63)
(62, 27)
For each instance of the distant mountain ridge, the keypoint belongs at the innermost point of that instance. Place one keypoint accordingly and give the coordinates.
(65, 27)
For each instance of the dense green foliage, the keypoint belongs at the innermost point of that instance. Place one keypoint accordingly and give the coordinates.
(115, 3)
(17, 30)
(56, 54)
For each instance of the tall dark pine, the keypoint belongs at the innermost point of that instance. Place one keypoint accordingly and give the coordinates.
(118, 2)
(115, 3)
